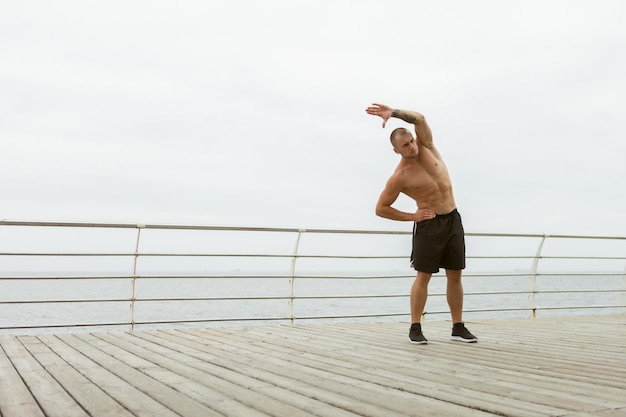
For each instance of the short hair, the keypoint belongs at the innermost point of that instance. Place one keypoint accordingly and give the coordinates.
(400, 131)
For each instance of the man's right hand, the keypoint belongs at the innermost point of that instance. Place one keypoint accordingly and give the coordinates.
(380, 110)
(424, 214)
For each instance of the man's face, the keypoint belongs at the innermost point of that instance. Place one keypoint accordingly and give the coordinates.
(406, 146)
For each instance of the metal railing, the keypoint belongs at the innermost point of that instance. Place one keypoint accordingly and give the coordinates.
(134, 275)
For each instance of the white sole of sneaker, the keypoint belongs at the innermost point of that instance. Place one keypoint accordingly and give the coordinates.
(425, 342)
(460, 339)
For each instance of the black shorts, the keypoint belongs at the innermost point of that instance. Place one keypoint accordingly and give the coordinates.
(439, 243)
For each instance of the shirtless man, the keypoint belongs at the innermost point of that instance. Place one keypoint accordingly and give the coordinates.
(438, 236)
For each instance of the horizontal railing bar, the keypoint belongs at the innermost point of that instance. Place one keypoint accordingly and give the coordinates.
(258, 255)
(287, 255)
(526, 308)
(277, 276)
(275, 229)
(182, 276)
(256, 319)
(543, 274)
(284, 276)
(61, 326)
(302, 297)
(249, 298)
(178, 321)
(302, 256)
(146, 322)
(64, 277)
(206, 255)
(547, 257)
(352, 316)
(194, 227)
(72, 254)
(281, 229)
(185, 299)
(67, 224)
(580, 274)
(68, 301)
(582, 257)
(489, 310)
(581, 291)
(591, 290)
(580, 307)
(547, 236)
(143, 226)
(212, 320)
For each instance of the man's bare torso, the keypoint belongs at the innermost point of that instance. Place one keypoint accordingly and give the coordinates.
(426, 180)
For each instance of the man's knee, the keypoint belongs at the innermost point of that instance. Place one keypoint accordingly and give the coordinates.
(454, 275)
(423, 278)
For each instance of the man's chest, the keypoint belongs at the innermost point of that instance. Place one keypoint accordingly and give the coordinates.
(426, 176)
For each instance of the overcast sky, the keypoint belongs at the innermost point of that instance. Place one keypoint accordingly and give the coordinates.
(245, 112)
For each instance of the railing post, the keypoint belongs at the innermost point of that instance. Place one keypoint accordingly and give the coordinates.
(533, 291)
(134, 278)
(624, 290)
(292, 277)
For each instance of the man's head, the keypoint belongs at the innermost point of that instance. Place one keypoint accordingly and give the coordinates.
(403, 142)
(400, 131)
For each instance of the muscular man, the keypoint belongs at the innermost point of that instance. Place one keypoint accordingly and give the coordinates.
(438, 236)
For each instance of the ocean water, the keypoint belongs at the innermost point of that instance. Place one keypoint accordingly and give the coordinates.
(54, 302)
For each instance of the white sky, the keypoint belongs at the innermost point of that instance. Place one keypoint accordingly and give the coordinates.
(245, 112)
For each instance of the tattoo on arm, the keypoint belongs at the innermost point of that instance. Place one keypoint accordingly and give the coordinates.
(407, 117)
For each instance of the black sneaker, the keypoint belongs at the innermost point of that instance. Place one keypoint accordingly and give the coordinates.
(416, 336)
(461, 334)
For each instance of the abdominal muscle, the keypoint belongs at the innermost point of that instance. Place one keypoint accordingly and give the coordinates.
(432, 193)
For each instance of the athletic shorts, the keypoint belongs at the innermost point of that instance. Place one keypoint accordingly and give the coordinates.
(439, 243)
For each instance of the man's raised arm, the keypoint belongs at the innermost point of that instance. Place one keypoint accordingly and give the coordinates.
(422, 130)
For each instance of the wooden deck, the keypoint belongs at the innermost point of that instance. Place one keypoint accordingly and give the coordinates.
(535, 367)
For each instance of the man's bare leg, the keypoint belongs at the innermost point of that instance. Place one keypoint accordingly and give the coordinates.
(419, 294)
(454, 294)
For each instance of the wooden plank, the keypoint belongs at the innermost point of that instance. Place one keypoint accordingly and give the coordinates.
(51, 396)
(217, 391)
(132, 375)
(522, 355)
(92, 398)
(442, 398)
(356, 396)
(557, 381)
(284, 392)
(341, 376)
(548, 398)
(16, 399)
(540, 361)
(128, 396)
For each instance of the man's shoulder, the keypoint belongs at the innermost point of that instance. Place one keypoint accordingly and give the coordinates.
(430, 150)
(403, 173)
(400, 171)
(408, 168)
